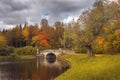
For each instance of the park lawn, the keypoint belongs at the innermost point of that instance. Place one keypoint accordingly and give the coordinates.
(105, 67)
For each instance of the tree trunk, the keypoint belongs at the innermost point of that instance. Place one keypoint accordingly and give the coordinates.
(25, 42)
(89, 50)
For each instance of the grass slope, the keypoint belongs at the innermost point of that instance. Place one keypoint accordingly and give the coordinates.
(106, 67)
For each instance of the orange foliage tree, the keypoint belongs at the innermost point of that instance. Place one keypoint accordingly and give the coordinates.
(44, 40)
(40, 38)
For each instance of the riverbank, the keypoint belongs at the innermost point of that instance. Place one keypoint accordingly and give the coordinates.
(18, 57)
(105, 67)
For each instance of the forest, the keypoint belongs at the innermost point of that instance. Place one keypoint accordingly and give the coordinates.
(97, 30)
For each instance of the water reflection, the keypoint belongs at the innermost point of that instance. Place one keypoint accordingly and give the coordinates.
(34, 69)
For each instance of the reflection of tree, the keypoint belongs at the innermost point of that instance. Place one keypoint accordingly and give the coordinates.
(17, 70)
(29, 69)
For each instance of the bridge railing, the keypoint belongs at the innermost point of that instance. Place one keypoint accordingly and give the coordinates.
(56, 52)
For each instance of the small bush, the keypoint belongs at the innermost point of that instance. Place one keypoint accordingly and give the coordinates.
(28, 50)
(83, 50)
(98, 51)
(40, 48)
(6, 51)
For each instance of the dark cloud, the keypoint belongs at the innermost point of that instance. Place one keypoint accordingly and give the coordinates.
(16, 11)
(12, 5)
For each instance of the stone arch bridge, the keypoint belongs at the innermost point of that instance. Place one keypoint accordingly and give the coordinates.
(53, 52)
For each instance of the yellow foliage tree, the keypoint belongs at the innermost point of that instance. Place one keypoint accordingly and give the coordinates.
(35, 40)
(116, 41)
(2, 40)
(99, 44)
(25, 34)
(100, 40)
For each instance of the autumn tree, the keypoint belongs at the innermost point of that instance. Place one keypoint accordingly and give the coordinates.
(18, 36)
(44, 40)
(25, 33)
(31, 29)
(92, 23)
(58, 33)
(36, 35)
(51, 34)
(45, 33)
(112, 38)
(14, 36)
(40, 37)
(9, 37)
(99, 45)
(110, 32)
(3, 42)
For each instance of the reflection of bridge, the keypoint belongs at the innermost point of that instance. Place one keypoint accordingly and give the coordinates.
(45, 62)
(55, 52)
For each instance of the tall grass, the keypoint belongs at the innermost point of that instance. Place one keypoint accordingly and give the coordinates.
(106, 67)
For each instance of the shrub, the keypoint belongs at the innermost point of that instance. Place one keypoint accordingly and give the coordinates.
(98, 51)
(41, 48)
(6, 51)
(28, 50)
(83, 50)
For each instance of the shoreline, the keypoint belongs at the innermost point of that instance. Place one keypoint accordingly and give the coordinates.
(18, 57)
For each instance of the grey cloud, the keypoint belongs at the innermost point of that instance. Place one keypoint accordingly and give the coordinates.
(16, 11)
(14, 5)
(59, 8)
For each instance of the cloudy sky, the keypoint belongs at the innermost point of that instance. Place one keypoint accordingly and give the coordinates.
(14, 12)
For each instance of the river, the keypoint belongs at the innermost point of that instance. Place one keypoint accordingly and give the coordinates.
(32, 69)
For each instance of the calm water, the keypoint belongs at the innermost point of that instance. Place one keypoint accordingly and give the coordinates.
(33, 69)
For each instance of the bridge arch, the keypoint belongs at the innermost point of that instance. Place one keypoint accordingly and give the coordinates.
(51, 57)
(51, 54)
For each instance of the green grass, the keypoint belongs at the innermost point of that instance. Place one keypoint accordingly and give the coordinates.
(106, 67)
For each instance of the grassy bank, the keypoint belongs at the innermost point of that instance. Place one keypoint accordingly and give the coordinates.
(106, 67)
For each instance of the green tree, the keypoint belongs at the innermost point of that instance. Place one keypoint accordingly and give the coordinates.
(92, 22)
(66, 40)
(70, 38)
(58, 32)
